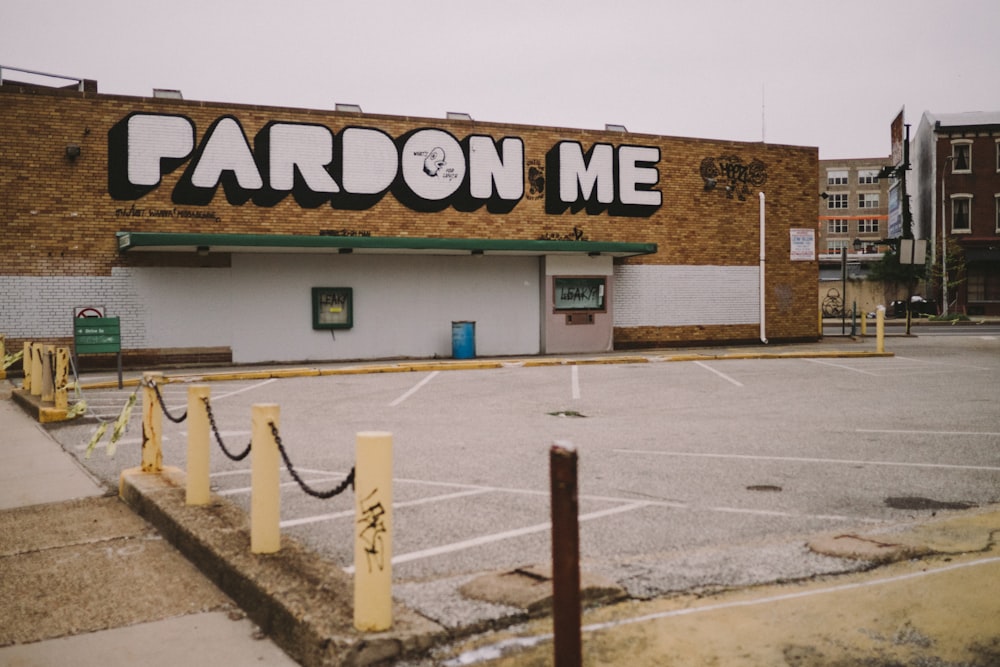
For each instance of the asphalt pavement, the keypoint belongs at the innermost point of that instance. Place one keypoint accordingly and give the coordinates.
(89, 579)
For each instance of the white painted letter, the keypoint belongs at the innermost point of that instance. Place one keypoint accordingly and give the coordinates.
(306, 147)
(153, 137)
(368, 159)
(630, 174)
(487, 168)
(578, 178)
(226, 149)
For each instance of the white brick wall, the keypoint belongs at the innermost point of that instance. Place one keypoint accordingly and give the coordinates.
(686, 295)
(42, 307)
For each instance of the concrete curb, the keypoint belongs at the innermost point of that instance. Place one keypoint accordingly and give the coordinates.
(302, 602)
(482, 364)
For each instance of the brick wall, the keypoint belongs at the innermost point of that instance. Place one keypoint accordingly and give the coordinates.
(59, 221)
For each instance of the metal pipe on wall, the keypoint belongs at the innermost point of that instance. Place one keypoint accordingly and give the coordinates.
(763, 323)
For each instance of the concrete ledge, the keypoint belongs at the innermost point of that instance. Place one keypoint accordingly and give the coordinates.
(303, 602)
(43, 414)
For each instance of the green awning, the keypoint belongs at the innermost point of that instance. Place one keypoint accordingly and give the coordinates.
(290, 243)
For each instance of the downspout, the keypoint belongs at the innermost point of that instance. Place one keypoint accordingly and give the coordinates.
(763, 323)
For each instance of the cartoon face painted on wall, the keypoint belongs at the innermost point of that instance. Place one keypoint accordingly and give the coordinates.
(426, 169)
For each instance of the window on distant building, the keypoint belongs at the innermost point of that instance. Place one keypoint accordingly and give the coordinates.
(868, 226)
(998, 154)
(836, 177)
(983, 284)
(837, 200)
(867, 176)
(996, 199)
(961, 213)
(837, 226)
(836, 247)
(868, 200)
(961, 152)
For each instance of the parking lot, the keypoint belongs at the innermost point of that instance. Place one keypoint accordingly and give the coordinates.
(692, 474)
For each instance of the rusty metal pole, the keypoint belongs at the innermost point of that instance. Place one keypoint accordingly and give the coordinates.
(566, 610)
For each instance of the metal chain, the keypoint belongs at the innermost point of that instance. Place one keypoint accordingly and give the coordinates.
(218, 438)
(323, 495)
(159, 398)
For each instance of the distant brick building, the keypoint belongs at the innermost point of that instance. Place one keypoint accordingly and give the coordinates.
(853, 225)
(956, 205)
(254, 234)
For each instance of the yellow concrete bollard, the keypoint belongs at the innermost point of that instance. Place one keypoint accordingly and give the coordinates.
(198, 488)
(36, 369)
(26, 367)
(152, 424)
(864, 325)
(62, 378)
(373, 526)
(48, 379)
(265, 481)
(880, 329)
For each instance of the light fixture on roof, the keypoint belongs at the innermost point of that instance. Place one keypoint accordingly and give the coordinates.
(457, 115)
(352, 108)
(612, 127)
(168, 93)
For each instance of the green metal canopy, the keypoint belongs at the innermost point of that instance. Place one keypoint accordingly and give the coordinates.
(289, 243)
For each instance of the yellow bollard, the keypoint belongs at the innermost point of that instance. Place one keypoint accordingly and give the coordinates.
(36, 369)
(199, 443)
(48, 380)
(864, 325)
(62, 378)
(373, 527)
(152, 424)
(265, 482)
(26, 367)
(880, 329)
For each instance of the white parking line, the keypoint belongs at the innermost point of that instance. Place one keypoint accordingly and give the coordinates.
(802, 459)
(414, 389)
(905, 432)
(256, 385)
(409, 503)
(506, 535)
(841, 366)
(721, 375)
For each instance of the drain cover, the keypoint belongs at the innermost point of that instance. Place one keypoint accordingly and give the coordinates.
(917, 503)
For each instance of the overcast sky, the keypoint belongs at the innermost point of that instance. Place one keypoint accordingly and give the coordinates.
(831, 74)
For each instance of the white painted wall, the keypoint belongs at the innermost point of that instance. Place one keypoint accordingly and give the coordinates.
(650, 295)
(403, 305)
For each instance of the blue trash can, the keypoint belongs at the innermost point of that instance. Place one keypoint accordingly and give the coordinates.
(463, 340)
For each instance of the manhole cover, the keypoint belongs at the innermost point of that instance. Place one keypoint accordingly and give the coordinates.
(764, 487)
(917, 503)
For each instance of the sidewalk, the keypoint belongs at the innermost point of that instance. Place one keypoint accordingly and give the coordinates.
(84, 581)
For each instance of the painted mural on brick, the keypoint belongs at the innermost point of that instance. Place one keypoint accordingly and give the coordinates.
(426, 169)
